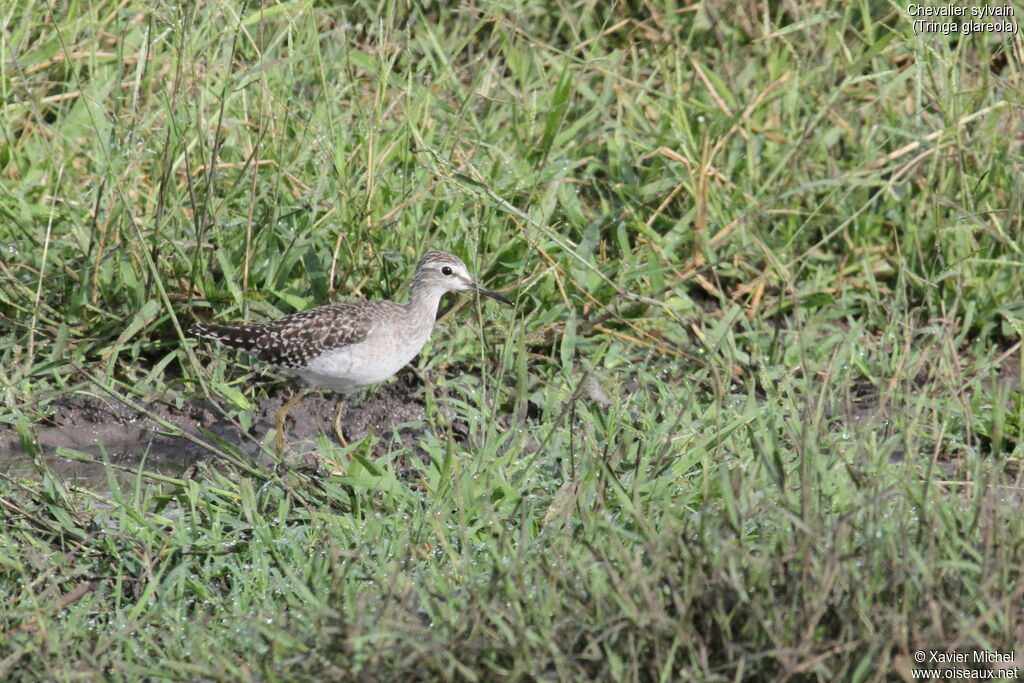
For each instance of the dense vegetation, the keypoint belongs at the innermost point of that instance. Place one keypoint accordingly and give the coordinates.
(757, 412)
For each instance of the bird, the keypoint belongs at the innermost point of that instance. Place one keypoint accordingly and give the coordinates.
(348, 346)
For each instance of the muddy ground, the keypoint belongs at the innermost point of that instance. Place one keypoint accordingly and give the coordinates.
(394, 412)
(90, 422)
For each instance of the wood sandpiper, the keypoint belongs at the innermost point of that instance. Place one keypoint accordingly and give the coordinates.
(348, 346)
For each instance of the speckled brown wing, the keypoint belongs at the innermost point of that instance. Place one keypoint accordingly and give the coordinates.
(291, 341)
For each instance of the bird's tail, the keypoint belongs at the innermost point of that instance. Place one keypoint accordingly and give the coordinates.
(240, 336)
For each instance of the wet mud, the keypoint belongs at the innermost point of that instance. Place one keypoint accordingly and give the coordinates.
(105, 428)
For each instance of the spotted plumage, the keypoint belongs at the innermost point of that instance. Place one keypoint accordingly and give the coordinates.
(348, 346)
(294, 340)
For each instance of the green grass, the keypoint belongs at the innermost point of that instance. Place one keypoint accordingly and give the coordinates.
(787, 245)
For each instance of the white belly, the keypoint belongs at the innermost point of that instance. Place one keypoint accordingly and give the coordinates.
(350, 368)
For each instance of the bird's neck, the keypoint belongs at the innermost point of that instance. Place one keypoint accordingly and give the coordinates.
(423, 303)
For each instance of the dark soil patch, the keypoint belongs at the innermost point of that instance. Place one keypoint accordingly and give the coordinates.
(90, 423)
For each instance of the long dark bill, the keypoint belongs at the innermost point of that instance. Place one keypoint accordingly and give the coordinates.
(494, 295)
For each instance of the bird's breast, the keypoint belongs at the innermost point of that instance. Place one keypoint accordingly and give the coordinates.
(352, 367)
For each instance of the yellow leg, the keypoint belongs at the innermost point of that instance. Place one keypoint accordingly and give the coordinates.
(282, 413)
(337, 424)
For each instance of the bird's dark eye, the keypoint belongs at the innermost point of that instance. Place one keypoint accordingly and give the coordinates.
(446, 270)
